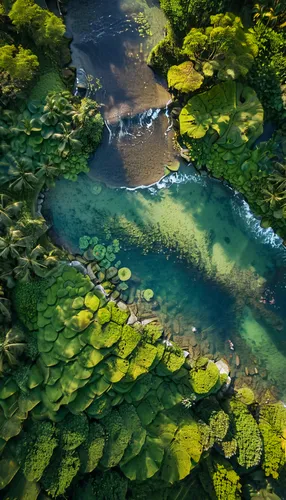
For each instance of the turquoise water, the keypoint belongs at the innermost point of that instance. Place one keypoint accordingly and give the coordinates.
(194, 242)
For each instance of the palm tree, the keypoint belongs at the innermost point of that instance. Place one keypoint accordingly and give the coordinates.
(21, 170)
(270, 12)
(9, 209)
(11, 347)
(32, 229)
(27, 126)
(273, 197)
(278, 178)
(47, 170)
(11, 243)
(30, 265)
(4, 306)
(66, 139)
(57, 106)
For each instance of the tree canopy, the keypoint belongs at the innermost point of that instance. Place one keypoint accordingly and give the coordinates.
(44, 27)
(225, 48)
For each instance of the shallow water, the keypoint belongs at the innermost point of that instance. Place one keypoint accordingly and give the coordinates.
(208, 265)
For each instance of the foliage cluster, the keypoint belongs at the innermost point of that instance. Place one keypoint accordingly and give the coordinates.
(44, 27)
(196, 58)
(268, 72)
(220, 127)
(48, 139)
(183, 14)
(26, 31)
(110, 395)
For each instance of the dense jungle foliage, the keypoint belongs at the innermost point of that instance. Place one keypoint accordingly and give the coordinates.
(91, 404)
(226, 67)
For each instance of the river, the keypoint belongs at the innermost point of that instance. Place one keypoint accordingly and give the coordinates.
(189, 238)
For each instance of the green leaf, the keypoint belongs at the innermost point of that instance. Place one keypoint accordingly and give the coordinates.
(184, 77)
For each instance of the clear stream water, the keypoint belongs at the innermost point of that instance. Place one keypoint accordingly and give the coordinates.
(210, 264)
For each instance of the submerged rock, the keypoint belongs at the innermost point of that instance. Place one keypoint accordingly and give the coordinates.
(90, 272)
(79, 266)
(223, 367)
(132, 319)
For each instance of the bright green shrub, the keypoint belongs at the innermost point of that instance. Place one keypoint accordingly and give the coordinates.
(275, 415)
(204, 377)
(152, 332)
(117, 439)
(26, 296)
(103, 315)
(170, 363)
(91, 450)
(246, 432)
(219, 423)
(141, 361)
(224, 480)
(128, 341)
(40, 453)
(21, 64)
(165, 54)
(273, 458)
(229, 448)
(73, 431)
(228, 49)
(272, 425)
(46, 28)
(60, 473)
(118, 315)
(246, 395)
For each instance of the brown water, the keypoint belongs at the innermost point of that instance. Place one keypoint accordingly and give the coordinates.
(108, 45)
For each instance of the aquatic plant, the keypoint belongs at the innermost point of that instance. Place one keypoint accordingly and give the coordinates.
(148, 294)
(99, 252)
(124, 273)
(84, 242)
